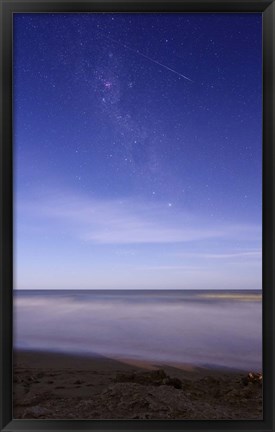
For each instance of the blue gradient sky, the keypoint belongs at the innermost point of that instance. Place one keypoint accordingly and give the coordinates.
(137, 151)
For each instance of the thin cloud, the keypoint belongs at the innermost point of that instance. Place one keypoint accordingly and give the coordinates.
(123, 222)
(249, 254)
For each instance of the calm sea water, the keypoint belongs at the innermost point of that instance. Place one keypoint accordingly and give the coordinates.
(205, 328)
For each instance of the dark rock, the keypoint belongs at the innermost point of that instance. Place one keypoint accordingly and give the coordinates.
(31, 378)
(209, 380)
(174, 382)
(34, 399)
(150, 403)
(155, 377)
(36, 412)
(253, 378)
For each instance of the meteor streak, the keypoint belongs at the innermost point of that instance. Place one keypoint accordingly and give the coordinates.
(147, 57)
(164, 66)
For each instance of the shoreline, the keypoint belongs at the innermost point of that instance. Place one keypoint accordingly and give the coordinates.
(51, 358)
(66, 386)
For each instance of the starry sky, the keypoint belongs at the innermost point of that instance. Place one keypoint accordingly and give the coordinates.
(137, 151)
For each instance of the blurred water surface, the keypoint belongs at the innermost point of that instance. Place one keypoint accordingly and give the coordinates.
(205, 328)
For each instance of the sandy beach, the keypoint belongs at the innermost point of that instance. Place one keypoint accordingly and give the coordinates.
(60, 386)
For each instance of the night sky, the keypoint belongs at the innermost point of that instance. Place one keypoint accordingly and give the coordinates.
(137, 151)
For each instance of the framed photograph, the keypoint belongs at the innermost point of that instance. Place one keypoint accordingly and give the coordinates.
(137, 288)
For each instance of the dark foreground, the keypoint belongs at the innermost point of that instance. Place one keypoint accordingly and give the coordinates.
(56, 386)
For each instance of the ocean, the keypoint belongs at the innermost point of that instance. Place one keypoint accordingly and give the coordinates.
(219, 329)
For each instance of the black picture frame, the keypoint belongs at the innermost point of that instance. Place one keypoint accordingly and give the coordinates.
(8, 7)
